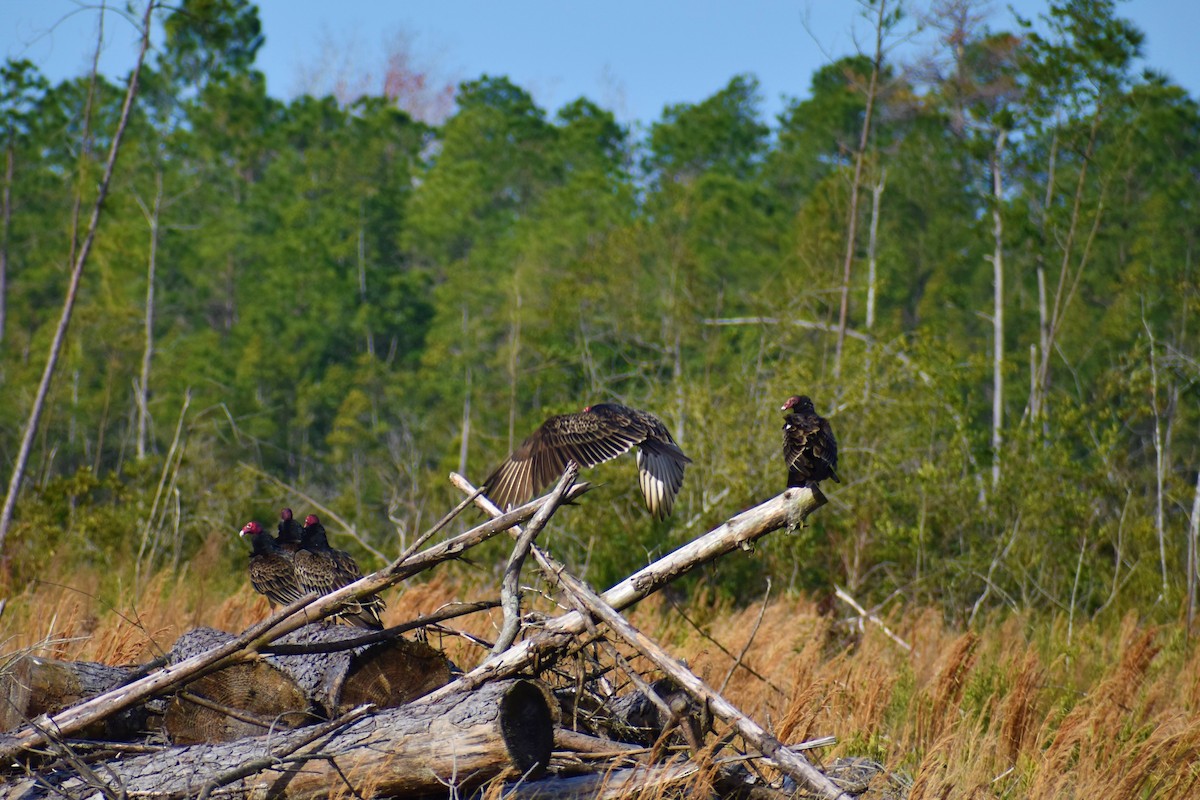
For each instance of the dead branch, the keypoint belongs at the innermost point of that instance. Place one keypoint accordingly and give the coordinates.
(791, 763)
(845, 597)
(85, 249)
(510, 594)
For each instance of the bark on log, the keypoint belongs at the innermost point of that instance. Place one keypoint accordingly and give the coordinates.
(505, 728)
(30, 685)
(287, 691)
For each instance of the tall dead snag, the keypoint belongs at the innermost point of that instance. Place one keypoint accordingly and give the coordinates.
(881, 25)
(85, 249)
(460, 740)
(997, 306)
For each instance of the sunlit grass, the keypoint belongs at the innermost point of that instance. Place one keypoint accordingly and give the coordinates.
(1004, 710)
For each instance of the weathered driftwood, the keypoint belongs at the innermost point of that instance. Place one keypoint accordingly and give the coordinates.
(739, 531)
(245, 647)
(742, 531)
(504, 728)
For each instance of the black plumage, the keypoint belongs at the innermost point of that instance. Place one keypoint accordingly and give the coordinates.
(322, 569)
(271, 572)
(290, 530)
(809, 448)
(597, 434)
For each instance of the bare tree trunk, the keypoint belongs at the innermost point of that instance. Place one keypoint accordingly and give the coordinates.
(514, 360)
(1043, 344)
(1193, 536)
(5, 219)
(60, 333)
(872, 247)
(997, 308)
(362, 279)
(872, 253)
(465, 443)
(1061, 295)
(143, 390)
(1158, 462)
(852, 222)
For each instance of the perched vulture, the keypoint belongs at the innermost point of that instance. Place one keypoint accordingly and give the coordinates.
(597, 434)
(290, 530)
(808, 444)
(271, 571)
(320, 568)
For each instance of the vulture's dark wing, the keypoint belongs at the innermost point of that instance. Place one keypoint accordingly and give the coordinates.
(366, 609)
(592, 437)
(316, 571)
(809, 449)
(660, 465)
(586, 438)
(271, 574)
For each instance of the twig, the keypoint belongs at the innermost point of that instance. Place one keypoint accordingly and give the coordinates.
(707, 637)
(510, 594)
(224, 710)
(737, 662)
(862, 612)
(452, 612)
(443, 522)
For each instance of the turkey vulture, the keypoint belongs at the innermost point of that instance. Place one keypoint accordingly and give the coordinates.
(597, 434)
(289, 531)
(808, 444)
(322, 569)
(271, 572)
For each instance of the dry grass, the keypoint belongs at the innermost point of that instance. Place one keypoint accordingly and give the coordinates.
(1006, 710)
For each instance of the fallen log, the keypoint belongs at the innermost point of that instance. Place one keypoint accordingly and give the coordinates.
(289, 690)
(463, 740)
(246, 646)
(31, 685)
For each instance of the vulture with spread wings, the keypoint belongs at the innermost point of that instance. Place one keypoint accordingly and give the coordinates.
(597, 434)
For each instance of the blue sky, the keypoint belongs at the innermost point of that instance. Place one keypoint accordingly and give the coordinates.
(631, 57)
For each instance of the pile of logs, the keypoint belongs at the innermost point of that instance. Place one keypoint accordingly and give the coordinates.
(298, 707)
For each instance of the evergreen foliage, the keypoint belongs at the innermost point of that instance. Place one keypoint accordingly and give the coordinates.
(339, 290)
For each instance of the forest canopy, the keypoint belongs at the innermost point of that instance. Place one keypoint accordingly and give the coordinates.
(981, 266)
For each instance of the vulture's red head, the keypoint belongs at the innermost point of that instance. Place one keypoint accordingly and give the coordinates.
(251, 528)
(311, 519)
(800, 403)
(285, 514)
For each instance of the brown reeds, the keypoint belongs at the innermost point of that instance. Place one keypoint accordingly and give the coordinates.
(1005, 710)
